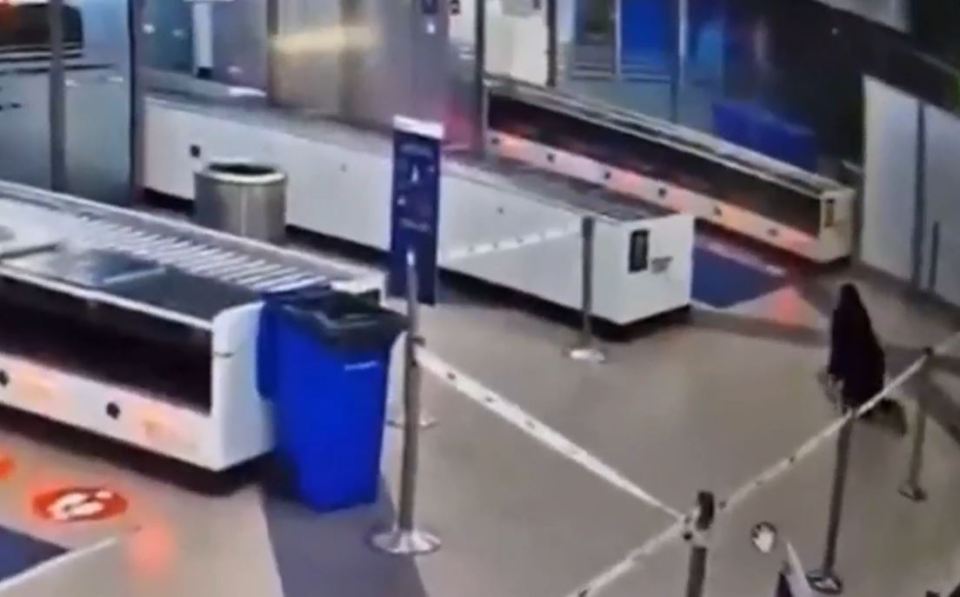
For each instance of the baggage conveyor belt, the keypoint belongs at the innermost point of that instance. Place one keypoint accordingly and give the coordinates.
(144, 263)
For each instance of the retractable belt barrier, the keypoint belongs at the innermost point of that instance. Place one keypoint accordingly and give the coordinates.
(552, 439)
(635, 557)
(811, 445)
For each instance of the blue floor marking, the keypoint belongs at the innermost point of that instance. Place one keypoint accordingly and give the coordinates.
(19, 552)
(722, 282)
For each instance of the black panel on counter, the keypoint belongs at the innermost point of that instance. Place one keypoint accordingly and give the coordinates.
(663, 162)
(158, 357)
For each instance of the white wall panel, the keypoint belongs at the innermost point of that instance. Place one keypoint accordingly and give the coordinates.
(890, 179)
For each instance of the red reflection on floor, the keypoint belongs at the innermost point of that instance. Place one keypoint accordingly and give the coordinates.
(789, 307)
(79, 504)
(6, 466)
(151, 550)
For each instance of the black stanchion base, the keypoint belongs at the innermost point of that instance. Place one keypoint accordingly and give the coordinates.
(827, 583)
(913, 493)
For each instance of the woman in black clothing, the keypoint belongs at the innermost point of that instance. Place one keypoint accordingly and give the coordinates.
(857, 362)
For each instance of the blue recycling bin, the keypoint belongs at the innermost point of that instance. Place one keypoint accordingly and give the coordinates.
(323, 360)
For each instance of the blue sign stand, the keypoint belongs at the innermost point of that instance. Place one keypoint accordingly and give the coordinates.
(415, 205)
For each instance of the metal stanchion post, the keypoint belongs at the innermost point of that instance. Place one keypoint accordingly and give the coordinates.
(587, 350)
(480, 99)
(552, 43)
(697, 536)
(397, 411)
(57, 102)
(617, 19)
(825, 580)
(404, 538)
(911, 488)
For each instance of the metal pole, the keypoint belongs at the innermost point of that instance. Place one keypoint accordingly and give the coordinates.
(479, 77)
(911, 488)
(825, 580)
(137, 100)
(404, 538)
(919, 198)
(697, 536)
(680, 60)
(273, 62)
(854, 177)
(617, 39)
(397, 417)
(587, 350)
(57, 99)
(934, 258)
(683, 33)
(697, 571)
(411, 402)
(552, 33)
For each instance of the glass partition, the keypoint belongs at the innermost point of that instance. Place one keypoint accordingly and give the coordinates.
(65, 108)
(360, 61)
(25, 91)
(784, 72)
(167, 36)
(98, 104)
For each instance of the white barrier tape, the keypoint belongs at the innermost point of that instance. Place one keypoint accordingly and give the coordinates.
(509, 244)
(780, 467)
(547, 436)
(632, 560)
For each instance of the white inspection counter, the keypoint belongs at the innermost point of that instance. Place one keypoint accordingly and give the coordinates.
(141, 329)
(339, 186)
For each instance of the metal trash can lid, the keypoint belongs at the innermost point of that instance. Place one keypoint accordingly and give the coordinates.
(242, 172)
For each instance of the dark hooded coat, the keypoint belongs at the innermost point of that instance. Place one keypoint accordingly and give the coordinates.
(856, 357)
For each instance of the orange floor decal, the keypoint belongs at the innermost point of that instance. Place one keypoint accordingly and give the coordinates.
(79, 504)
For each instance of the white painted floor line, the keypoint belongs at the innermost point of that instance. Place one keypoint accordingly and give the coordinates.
(56, 563)
(539, 431)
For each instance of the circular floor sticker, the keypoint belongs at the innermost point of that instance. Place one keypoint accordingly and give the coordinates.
(79, 504)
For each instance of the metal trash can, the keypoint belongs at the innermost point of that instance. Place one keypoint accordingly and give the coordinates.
(242, 198)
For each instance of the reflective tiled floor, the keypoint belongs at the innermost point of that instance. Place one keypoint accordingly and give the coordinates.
(705, 403)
